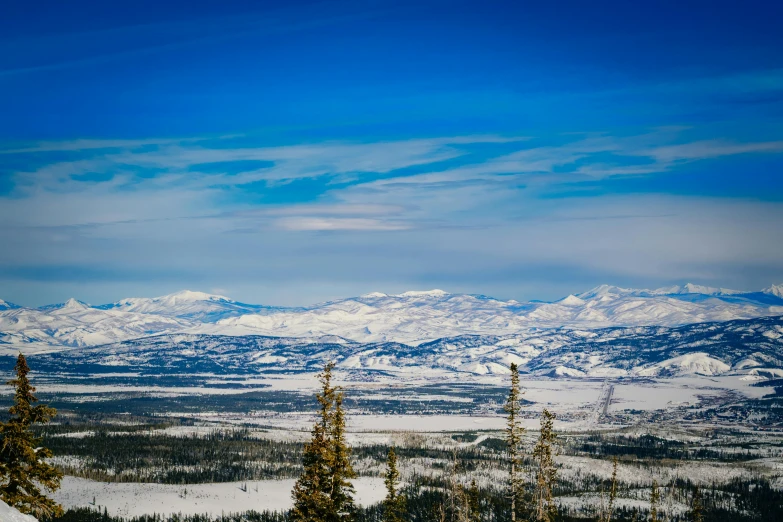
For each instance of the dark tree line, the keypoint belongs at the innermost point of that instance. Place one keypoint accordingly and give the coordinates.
(324, 491)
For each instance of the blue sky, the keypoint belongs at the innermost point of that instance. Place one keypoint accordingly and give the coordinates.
(288, 153)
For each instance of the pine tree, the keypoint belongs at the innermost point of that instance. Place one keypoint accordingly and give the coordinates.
(323, 493)
(455, 497)
(342, 490)
(463, 513)
(474, 503)
(394, 504)
(312, 502)
(546, 472)
(608, 511)
(655, 497)
(612, 491)
(697, 510)
(514, 432)
(23, 470)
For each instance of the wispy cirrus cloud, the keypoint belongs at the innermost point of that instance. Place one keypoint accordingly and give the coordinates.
(429, 177)
(320, 223)
(469, 204)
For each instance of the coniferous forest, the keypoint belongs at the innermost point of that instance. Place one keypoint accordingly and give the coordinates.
(479, 476)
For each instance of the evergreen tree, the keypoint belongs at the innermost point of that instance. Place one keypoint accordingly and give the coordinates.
(474, 504)
(463, 512)
(545, 470)
(608, 511)
(514, 432)
(655, 498)
(312, 502)
(697, 510)
(342, 490)
(323, 493)
(394, 504)
(23, 470)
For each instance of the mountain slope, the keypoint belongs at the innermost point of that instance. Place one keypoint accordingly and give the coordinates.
(744, 347)
(419, 316)
(411, 317)
(74, 323)
(5, 305)
(198, 306)
(776, 290)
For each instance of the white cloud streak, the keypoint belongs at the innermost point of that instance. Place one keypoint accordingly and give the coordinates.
(479, 222)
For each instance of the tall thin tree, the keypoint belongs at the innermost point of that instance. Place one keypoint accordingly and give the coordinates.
(514, 433)
(311, 493)
(697, 510)
(607, 511)
(545, 469)
(474, 502)
(342, 490)
(23, 468)
(323, 492)
(394, 503)
(655, 498)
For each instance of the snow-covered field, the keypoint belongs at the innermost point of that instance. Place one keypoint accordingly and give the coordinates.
(134, 499)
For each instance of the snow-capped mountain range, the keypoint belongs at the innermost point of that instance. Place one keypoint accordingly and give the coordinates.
(752, 348)
(412, 317)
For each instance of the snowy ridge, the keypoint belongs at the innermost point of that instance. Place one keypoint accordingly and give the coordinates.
(74, 324)
(186, 304)
(5, 305)
(741, 347)
(776, 290)
(412, 317)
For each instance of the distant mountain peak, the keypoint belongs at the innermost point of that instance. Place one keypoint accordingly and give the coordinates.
(776, 290)
(6, 305)
(73, 305)
(373, 295)
(690, 288)
(687, 288)
(571, 300)
(190, 295)
(605, 290)
(423, 293)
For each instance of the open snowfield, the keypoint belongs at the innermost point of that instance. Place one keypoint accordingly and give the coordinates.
(580, 403)
(682, 391)
(134, 499)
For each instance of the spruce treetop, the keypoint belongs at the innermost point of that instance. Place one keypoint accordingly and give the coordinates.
(23, 467)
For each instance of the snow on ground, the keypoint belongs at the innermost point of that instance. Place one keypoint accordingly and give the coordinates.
(152, 391)
(590, 503)
(391, 423)
(426, 423)
(411, 317)
(134, 499)
(9, 514)
(699, 472)
(697, 362)
(654, 396)
(679, 391)
(563, 394)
